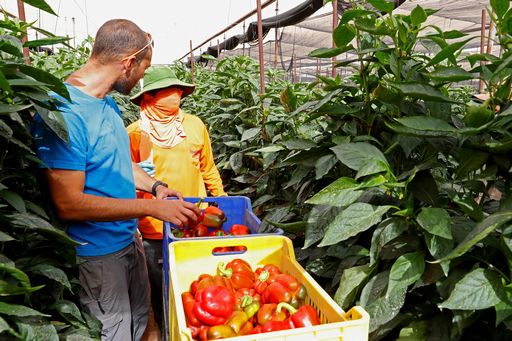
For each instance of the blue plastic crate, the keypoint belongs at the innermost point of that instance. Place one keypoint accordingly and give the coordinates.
(238, 210)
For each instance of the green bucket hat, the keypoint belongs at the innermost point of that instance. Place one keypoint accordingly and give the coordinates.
(161, 77)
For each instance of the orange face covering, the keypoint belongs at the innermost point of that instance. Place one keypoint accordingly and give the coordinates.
(162, 118)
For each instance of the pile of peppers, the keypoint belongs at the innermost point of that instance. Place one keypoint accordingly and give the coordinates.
(209, 224)
(239, 301)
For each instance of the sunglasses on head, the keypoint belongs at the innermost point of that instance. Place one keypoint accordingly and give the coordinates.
(151, 42)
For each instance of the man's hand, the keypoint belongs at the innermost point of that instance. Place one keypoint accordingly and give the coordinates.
(163, 192)
(178, 212)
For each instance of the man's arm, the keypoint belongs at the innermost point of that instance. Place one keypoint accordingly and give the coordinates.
(67, 191)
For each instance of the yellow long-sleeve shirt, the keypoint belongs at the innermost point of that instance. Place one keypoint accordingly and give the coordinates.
(186, 167)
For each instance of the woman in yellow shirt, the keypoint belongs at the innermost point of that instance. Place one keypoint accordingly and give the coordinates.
(179, 146)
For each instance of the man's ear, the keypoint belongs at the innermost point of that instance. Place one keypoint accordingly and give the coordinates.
(129, 64)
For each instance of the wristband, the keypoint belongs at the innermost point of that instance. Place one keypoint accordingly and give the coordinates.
(155, 185)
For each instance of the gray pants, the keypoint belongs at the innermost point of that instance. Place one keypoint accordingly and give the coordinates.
(115, 290)
(153, 250)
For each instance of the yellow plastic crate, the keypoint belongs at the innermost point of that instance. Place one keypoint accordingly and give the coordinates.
(188, 259)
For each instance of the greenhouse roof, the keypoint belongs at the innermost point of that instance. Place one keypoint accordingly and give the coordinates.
(315, 32)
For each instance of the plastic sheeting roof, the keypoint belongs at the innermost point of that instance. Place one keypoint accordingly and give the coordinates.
(315, 32)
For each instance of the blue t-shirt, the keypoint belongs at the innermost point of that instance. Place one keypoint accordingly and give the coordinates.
(99, 146)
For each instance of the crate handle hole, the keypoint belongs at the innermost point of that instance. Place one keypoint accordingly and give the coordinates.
(229, 250)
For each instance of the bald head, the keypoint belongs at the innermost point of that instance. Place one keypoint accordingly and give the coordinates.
(119, 38)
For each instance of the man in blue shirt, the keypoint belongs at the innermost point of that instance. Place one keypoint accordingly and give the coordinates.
(92, 182)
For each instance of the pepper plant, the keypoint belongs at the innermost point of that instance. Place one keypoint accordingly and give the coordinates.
(394, 184)
(38, 274)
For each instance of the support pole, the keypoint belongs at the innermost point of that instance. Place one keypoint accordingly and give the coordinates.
(334, 25)
(482, 45)
(276, 37)
(21, 15)
(192, 61)
(260, 48)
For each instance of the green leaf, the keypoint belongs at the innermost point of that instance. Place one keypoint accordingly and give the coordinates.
(250, 134)
(426, 123)
(354, 13)
(4, 84)
(299, 144)
(406, 270)
(329, 52)
(382, 5)
(478, 233)
(18, 310)
(4, 237)
(41, 4)
(436, 221)
(55, 121)
(504, 308)
(448, 51)
(5, 327)
(288, 99)
(319, 217)
(362, 157)
(449, 74)
(479, 289)
(500, 7)
(421, 91)
(351, 280)
(45, 77)
(341, 192)
(418, 15)
(439, 247)
(68, 310)
(415, 331)
(387, 230)
(385, 308)
(16, 273)
(8, 108)
(37, 330)
(342, 35)
(51, 272)
(31, 221)
(11, 45)
(14, 200)
(270, 149)
(324, 165)
(235, 161)
(353, 220)
(470, 160)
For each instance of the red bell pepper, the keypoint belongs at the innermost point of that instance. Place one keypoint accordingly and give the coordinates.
(188, 306)
(220, 332)
(215, 280)
(217, 233)
(214, 210)
(256, 330)
(214, 305)
(286, 280)
(243, 295)
(194, 284)
(200, 230)
(268, 312)
(213, 217)
(239, 271)
(272, 326)
(239, 230)
(276, 293)
(305, 316)
(262, 276)
(223, 249)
